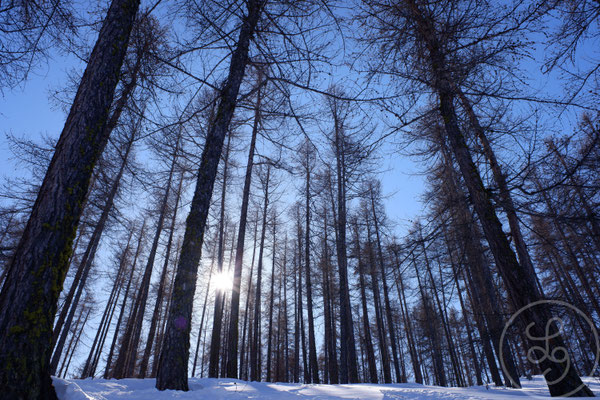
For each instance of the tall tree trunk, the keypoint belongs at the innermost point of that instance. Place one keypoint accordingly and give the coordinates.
(383, 347)
(71, 347)
(173, 365)
(438, 365)
(271, 302)
(242, 374)
(306, 374)
(285, 316)
(161, 286)
(86, 262)
(37, 271)
(215, 341)
(366, 324)
(506, 199)
(407, 323)
(233, 332)
(330, 340)
(489, 319)
(449, 341)
(124, 357)
(312, 347)
(468, 328)
(142, 297)
(105, 321)
(255, 359)
(200, 330)
(297, 308)
(348, 367)
(386, 296)
(77, 340)
(90, 252)
(108, 372)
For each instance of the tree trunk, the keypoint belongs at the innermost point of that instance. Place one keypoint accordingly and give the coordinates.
(233, 333)
(255, 359)
(312, 347)
(468, 328)
(449, 341)
(348, 367)
(386, 296)
(506, 199)
(438, 365)
(173, 364)
(331, 357)
(243, 375)
(71, 346)
(285, 313)
(37, 271)
(161, 286)
(77, 339)
(108, 372)
(408, 326)
(200, 330)
(366, 324)
(271, 302)
(86, 263)
(106, 316)
(215, 340)
(88, 257)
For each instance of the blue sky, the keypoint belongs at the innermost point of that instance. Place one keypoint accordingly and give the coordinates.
(28, 111)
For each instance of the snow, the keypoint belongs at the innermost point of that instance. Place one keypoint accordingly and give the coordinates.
(216, 389)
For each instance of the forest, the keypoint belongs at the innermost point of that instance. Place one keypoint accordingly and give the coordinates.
(217, 201)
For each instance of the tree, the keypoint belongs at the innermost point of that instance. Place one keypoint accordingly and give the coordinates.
(35, 276)
(435, 52)
(307, 161)
(173, 364)
(29, 30)
(233, 332)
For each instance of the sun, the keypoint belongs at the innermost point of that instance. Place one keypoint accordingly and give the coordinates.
(222, 281)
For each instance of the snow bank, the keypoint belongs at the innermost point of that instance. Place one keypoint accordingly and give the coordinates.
(216, 389)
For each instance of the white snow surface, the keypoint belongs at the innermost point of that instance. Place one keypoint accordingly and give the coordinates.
(216, 389)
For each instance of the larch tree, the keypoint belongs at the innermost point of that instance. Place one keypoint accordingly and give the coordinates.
(35, 276)
(436, 46)
(173, 365)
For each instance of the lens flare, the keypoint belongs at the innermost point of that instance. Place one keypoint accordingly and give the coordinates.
(222, 281)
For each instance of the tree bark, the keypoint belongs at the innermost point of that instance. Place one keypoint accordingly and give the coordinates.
(124, 357)
(243, 371)
(106, 317)
(407, 323)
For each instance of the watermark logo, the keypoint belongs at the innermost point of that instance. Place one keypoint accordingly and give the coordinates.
(556, 326)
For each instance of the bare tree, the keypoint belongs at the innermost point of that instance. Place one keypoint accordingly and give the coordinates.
(29, 295)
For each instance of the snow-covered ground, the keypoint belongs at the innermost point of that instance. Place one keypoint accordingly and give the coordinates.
(215, 389)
